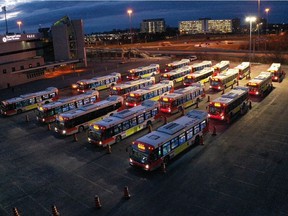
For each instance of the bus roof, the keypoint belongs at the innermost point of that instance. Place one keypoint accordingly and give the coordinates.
(29, 95)
(231, 95)
(222, 63)
(201, 72)
(180, 92)
(179, 62)
(134, 82)
(263, 76)
(178, 70)
(118, 117)
(243, 65)
(274, 67)
(162, 134)
(201, 63)
(229, 72)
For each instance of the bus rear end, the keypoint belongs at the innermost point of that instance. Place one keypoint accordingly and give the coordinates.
(132, 75)
(253, 88)
(216, 84)
(133, 99)
(166, 105)
(96, 135)
(7, 109)
(82, 86)
(45, 115)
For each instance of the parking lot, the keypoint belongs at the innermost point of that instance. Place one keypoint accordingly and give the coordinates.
(240, 171)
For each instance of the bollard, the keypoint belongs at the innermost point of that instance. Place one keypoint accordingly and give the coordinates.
(208, 98)
(75, 137)
(27, 118)
(126, 193)
(250, 105)
(214, 131)
(197, 104)
(97, 202)
(201, 140)
(163, 167)
(223, 90)
(150, 129)
(237, 82)
(15, 212)
(55, 211)
(109, 149)
(165, 119)
(49, 126)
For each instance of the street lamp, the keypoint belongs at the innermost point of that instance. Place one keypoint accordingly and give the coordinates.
(267, 12)
(129, 12)
(250, 20)
(19, 25)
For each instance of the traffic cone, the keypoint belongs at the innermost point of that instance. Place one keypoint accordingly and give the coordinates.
(163, 167)
(55, 211)
(126, 193)
(27, 118)
(49, 126)
(214, 131)
(15, 212)
(109, 149)
(75, 137)
(208, 98)
(97, 202)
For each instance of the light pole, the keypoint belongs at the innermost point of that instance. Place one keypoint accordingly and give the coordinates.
(250, 20)
(19, 25)
(267, 13)
(129, 12)
(4, 10)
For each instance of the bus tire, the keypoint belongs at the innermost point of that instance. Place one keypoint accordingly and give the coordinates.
(19, 111)
(118, 139)
(46, 102)
(166, 159)
(180, 108)
(81, 128)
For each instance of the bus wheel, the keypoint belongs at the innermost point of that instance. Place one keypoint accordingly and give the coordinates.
(19, 111)
(81, 128)
(118, 139)
(149, 123)
(166, 160)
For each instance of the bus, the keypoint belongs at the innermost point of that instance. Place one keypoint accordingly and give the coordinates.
(230, 104)
(221, 67)
(77, 120)
(200, 66)
(277, 74)
(243, 70)
(177, 75)
(224, 80)
(46, 113)
(98, 83)
(202, 76)
(260, 84)
(182, 98)
(123, 124)
(123, 89)
(149, 152)
(176, 64)
(144, 72)
(154, 92)
(28, 102)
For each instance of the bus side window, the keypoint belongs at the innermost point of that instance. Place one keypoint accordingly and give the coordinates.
(148, 115)
(182, 138)
(174, 143)
(133, 122)
(140, 118)
(196, 129)
(189, 133)
(166, 148)
(203, 124)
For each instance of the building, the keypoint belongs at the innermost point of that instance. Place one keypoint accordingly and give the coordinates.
(152, 26)
(25, 57)
(205, 25)
(21, 59)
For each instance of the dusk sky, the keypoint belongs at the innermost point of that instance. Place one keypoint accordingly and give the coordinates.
(99, 16)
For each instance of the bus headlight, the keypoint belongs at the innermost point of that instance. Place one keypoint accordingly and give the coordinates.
(147, 166)
(89, 139)
(64, 132)
(43, 120)
(130, 160)
(56, 129)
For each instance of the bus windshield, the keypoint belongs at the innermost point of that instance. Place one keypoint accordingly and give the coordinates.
(214, 83)
(139, 156)
(215, 110)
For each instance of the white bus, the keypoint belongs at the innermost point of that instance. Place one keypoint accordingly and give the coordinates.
(177, 75)
(46, 113)
(123, 124)
(182, 98)
(224, 80)
(176, 64)
(98, 83)
(202, 76)
(261, 84)
(200, 66)
(28, 102)
(123, 89)
(154, 92)
(149, 152)
(244, 70)
(277, 73)
(144, 72)
(221, 67)
(77, 120)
